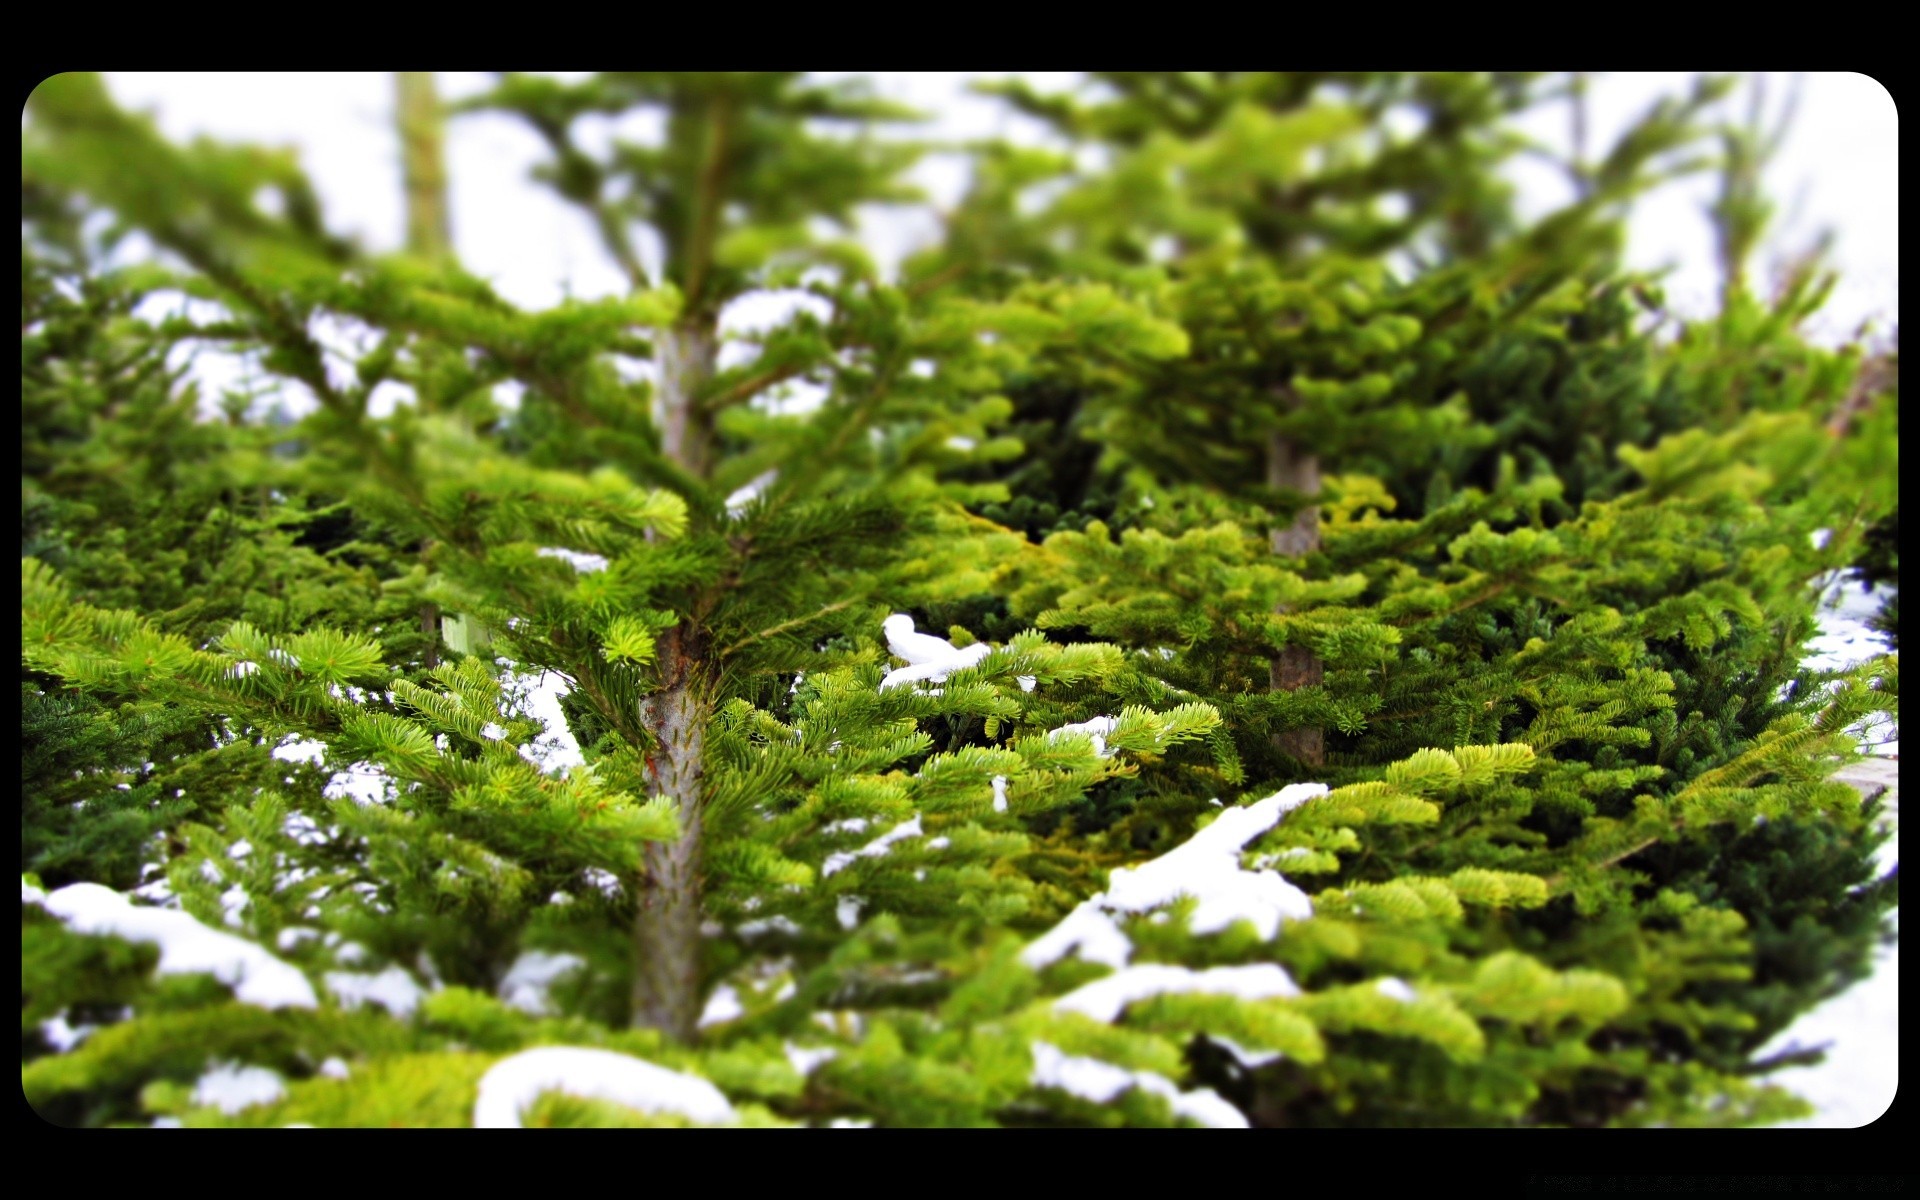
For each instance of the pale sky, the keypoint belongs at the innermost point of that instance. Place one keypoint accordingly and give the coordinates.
(1838, 169)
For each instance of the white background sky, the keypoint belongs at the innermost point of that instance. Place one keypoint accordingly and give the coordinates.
(1838, 170)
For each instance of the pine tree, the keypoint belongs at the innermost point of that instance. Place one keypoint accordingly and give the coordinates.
(1060, 877)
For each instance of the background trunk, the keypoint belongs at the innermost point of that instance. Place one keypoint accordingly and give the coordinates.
(423, 163)
(1296, 667)
(666, 983)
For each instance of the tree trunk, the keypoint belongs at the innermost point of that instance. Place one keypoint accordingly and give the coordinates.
(424, 165)
(687, 354)
(666, 985)
(1296, 666)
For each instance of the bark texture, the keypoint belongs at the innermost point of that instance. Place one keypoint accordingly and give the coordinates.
(424, 165)
(1296, 666)
(666, 990)
(667, 949)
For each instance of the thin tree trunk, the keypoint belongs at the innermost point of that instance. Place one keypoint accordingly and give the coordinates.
(1296, 666)
(666, 988)
(424, 171)
(424, 165)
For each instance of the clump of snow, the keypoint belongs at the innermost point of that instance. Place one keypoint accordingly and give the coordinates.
(392, 989)
(30, 894)
(1106, 998)
(850, 825)
(808, 1059)
(1205, 867)
(579, 560)
(1101, 1082)
(1096, 728)
(1086, 929)
(773, 924)
(514, 1083)
(230, 1087)
(293, 936)
(364, 782)
(723, 1006)
(233, 902)
(298, 749)
(928, 658)
(334, 1067)
(186, 946)
(999, 793)
(874, 849)
(61, 1036)
(1396, 989)
(603, 881)
(1249, 1059)
(528, 980)
(847, 911)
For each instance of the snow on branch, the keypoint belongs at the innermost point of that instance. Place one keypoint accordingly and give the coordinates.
(1205, 867)
(511, 1086)
(186, 946)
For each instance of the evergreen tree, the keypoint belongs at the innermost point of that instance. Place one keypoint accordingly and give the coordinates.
(1053, 880)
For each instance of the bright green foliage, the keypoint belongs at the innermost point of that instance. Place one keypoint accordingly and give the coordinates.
(1579, 853)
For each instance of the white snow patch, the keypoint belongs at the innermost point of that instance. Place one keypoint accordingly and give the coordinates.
(514, 1083)
(874, 849)
(298, 749)
(492, 731)
(333, 1068)
(186, 946)
(847, 911)
(1105, 999)
(1096, 728)
(527, 981)
(62, 1036)
(230, 1087)
(392, 989)
(1101, 1082)
(1249, 1059)
(850, 825)
(999, 793)
(1396, 989)
(927, 657)
(364, 782)
(808, 1059)
(780, 924)
(1086, 929)
(603, 881)
(723, 1006)
(1206, 867)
